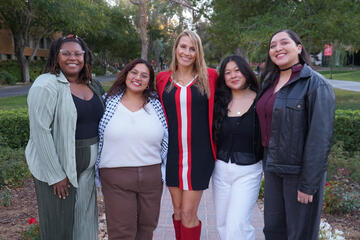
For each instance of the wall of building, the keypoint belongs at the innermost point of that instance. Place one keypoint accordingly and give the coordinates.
(7, 47)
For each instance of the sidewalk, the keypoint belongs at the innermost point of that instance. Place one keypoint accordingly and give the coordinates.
(345, 85)
(206, 213)
(10, 91)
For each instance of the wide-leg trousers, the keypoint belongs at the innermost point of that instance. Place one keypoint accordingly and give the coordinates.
(235, 190)
(75, 217)
(132, 197)
(285, 218)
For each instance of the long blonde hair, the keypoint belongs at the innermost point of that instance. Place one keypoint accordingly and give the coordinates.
(199, 66)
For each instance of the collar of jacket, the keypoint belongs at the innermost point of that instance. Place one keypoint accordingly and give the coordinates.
(61, 77)
(305, 73)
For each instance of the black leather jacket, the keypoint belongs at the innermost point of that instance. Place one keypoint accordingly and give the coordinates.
(302, 128)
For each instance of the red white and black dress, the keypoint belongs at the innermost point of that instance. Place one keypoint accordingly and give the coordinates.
(191, 153)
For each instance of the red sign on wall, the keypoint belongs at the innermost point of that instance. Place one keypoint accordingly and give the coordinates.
(328, 49)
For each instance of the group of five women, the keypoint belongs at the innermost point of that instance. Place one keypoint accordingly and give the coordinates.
(194, 126)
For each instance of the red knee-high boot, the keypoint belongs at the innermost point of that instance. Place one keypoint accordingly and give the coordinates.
(191, 233)
(177, 224)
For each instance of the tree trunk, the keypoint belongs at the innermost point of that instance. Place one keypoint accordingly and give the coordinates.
(36, 47)
(150, 47)
(19, 45)
(25, 71)
(143, 30)
(242, 52)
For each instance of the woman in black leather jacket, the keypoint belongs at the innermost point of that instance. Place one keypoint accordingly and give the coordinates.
(296, 113)
(238, 169)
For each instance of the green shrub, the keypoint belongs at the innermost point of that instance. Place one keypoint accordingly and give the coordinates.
(13, 68)
(13, 167)
(341, 159)
(98, 69)
(341, 195)
(14, 127)
(36, 69)
(347, 129)
(7, 78)
(15, 131)
(5, 197)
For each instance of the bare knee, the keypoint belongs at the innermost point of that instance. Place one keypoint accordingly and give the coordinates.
(177, 212)
(189, 217)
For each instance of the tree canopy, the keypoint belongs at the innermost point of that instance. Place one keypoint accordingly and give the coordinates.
(249, 24)
(116, 35)
(36, 19)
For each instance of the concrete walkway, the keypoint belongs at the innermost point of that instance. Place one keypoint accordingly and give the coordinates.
(345, 85)
(206, 213)
(10, 91)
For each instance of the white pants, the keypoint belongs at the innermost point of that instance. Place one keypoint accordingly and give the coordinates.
(235, 190)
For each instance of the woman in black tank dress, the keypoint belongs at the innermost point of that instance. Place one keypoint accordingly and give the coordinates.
(187, 95)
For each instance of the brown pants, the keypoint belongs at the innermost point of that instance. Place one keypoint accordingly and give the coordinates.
(132, 198)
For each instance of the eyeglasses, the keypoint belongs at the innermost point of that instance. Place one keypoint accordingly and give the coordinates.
(67, 53)
(143, 76)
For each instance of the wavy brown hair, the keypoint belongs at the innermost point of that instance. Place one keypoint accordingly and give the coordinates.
(199, 66)
(52, 64)
(119, 85)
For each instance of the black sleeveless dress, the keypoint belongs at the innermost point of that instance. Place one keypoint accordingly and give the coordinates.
(190, 161)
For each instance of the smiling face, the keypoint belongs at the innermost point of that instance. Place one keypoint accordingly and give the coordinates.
(284, 52)
(71, 59)
(137, 78)
(185, 52)
(234, 79)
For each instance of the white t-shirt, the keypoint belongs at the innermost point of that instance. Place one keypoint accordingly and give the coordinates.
(132, 139)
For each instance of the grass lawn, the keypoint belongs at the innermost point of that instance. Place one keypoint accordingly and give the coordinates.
(347, 99)
(347, 75)
(13, 102)
(107, 85)
(344, 100)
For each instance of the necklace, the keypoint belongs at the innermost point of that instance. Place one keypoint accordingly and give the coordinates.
(289, 67)
(240, 106)
(184, 82)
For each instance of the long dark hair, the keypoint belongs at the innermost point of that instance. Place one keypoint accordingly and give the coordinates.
(271, 68)
(223, 95)
(120, 82)
(52, 64)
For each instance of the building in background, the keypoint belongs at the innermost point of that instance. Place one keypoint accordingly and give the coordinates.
(7, 46)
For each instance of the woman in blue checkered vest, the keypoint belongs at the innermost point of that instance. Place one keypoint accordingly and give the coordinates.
(132, 153)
